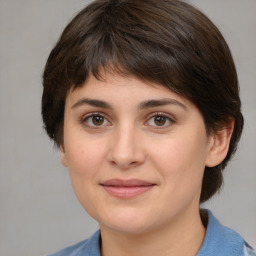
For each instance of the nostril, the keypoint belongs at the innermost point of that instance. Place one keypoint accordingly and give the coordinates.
(124, 165)
(124, 152)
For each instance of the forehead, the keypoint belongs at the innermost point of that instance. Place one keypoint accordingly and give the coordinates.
(114, 87)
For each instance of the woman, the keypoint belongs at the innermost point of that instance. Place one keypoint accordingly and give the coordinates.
(142, 99)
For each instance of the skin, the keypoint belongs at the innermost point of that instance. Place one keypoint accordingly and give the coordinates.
(122, 136)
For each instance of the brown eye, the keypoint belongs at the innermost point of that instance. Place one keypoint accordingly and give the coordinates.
(160, 120)
(97, 120)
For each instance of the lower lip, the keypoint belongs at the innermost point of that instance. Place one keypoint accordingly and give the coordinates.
(127, 192)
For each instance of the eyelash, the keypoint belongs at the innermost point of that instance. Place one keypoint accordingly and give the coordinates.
(84, 120)
(167, 118)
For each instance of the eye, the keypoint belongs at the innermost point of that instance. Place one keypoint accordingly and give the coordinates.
(95, 120)
(160, 120)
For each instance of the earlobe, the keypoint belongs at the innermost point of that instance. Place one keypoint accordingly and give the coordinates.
(219, 145)
(63, 156)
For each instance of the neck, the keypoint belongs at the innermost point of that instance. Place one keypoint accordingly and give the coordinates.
(184, 236)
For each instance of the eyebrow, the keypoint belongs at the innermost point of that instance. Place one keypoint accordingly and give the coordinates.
(92, 102)
(143, 105)
(161, 102)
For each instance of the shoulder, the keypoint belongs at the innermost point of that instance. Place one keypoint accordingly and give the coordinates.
(248, 250)
(88, 247)
(222, 241)
(71, 250)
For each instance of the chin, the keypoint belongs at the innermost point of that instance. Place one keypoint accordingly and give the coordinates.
(128, 228)
(126, 223)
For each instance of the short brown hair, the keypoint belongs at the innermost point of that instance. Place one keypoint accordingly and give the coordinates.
(168, 42)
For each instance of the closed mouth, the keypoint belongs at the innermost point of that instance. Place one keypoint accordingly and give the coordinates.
(126, 188)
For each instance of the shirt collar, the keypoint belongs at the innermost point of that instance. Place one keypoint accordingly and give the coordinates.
(219, 240)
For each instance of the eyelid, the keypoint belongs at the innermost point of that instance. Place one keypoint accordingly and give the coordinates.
(92, 114)
(162, 114)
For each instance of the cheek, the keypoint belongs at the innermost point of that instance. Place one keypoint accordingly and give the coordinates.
(181, 165)
(84, 153)
(85, 161)
(181, 158)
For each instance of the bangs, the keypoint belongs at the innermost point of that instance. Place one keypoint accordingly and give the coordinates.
(121, 41)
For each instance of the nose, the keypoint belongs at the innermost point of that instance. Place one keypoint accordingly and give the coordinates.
(126, 149)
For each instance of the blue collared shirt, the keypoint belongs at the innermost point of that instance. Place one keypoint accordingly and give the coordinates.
(219, 240)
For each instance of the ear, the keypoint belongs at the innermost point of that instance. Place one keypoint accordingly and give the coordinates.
(63, 156)
(219, 145)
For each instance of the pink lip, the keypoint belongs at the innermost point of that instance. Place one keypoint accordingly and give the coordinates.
(126, 188)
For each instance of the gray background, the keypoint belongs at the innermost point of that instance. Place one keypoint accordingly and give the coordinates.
(39, 212)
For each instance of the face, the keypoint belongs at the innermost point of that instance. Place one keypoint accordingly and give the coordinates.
(136, 153)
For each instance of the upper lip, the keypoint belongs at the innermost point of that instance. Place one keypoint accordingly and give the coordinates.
(126, 183)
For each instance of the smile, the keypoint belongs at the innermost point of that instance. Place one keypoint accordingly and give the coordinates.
(126, 188)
